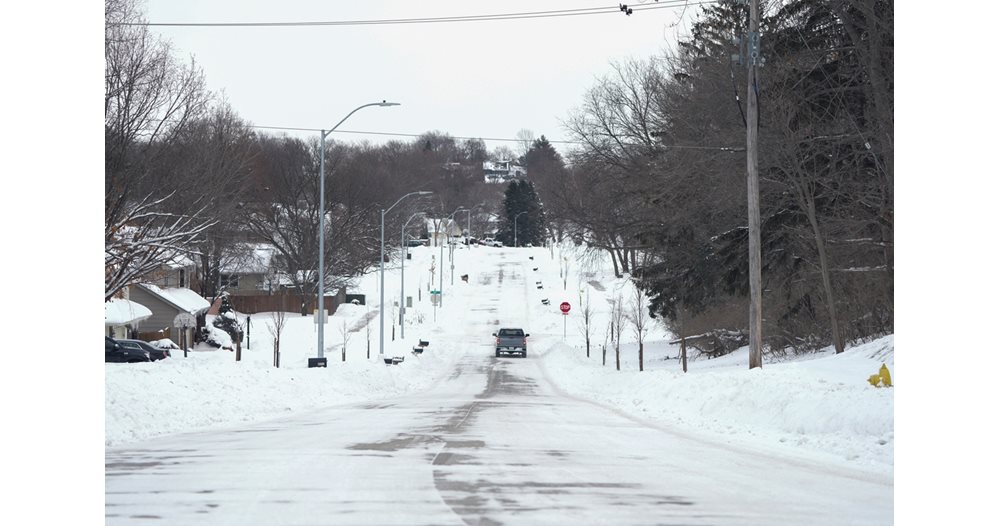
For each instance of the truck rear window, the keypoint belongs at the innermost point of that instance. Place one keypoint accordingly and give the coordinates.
(510, 332)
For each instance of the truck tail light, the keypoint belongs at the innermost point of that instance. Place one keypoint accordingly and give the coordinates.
(525, 342)
(498, 341)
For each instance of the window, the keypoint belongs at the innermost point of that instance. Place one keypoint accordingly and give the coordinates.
(229, 281)
(511, 332)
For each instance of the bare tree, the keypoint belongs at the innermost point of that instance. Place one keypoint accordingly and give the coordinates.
(618, 318)
(275, 326)
(148, 98)
(345, 334)
(283, 211)
(525, 138)
(639, 318)
(604, 346)
(368, 334)
(586, 318)
(683, 336)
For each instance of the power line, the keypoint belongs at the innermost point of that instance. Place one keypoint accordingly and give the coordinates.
(502, 139)
(429, 20)
(392, 134)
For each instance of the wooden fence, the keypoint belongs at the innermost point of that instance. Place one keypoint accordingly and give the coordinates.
(254, 303)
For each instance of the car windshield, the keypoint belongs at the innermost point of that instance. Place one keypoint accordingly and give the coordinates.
(511, 332)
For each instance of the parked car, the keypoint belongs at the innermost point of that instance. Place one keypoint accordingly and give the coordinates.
(155, 353)
(511, 341)
(116, 352)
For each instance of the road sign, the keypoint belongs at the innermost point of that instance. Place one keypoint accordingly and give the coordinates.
(564, 307)
(316, 317)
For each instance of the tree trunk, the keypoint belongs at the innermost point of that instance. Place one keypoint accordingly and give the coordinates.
(588, 343)
(623, 257)
(831, 307)
(614, 260)
(684, 354)
(618, 357)
(640, 355)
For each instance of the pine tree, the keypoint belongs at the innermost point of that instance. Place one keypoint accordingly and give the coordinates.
(521, 202)
(226, 320)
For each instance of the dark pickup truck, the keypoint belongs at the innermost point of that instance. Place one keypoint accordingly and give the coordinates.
(511, 341)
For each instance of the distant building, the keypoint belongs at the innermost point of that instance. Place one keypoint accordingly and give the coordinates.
(502, 171)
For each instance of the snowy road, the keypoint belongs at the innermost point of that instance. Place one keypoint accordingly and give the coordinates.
(493, 443)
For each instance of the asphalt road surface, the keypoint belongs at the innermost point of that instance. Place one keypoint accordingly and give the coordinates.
(493, 443)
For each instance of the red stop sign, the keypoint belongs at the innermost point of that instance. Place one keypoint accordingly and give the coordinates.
(564, 307)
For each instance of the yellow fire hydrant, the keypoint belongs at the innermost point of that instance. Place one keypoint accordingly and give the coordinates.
(883, 377)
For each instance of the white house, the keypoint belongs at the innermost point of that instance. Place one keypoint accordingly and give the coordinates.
(502, 171)
(448, 228)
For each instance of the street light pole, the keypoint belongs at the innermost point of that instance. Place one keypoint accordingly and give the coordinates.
(441, 270)
(321, 283)
(402, 274)
(381, 303)
(515, 226)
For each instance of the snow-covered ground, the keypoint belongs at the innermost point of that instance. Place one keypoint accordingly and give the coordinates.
(819, 405)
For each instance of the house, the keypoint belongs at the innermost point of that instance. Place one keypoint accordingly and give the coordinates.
(492, 224)
(253, 271)
(178, 271)
(122, 317)
(497, 172)
(448, 228)
(165, 304)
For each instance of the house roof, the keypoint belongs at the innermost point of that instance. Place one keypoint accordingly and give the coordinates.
(179, 261)
(255, 258)
(120, 311)
(183, 298)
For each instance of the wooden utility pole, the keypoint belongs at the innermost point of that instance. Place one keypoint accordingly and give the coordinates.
(753, 192)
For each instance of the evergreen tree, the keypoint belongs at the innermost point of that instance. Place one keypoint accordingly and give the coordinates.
(521, 202)
(226, 320)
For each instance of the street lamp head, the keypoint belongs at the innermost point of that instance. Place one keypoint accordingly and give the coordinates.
(425, 192)
(384, 103)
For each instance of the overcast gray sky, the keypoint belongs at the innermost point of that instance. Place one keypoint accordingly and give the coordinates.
(468, 79)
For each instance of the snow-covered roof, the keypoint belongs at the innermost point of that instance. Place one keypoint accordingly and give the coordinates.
(179, 261)
(120, 311)
(255, 259)
(183, 298)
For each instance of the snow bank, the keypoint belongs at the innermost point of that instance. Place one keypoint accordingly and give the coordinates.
(210, 389)
(819, 405)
